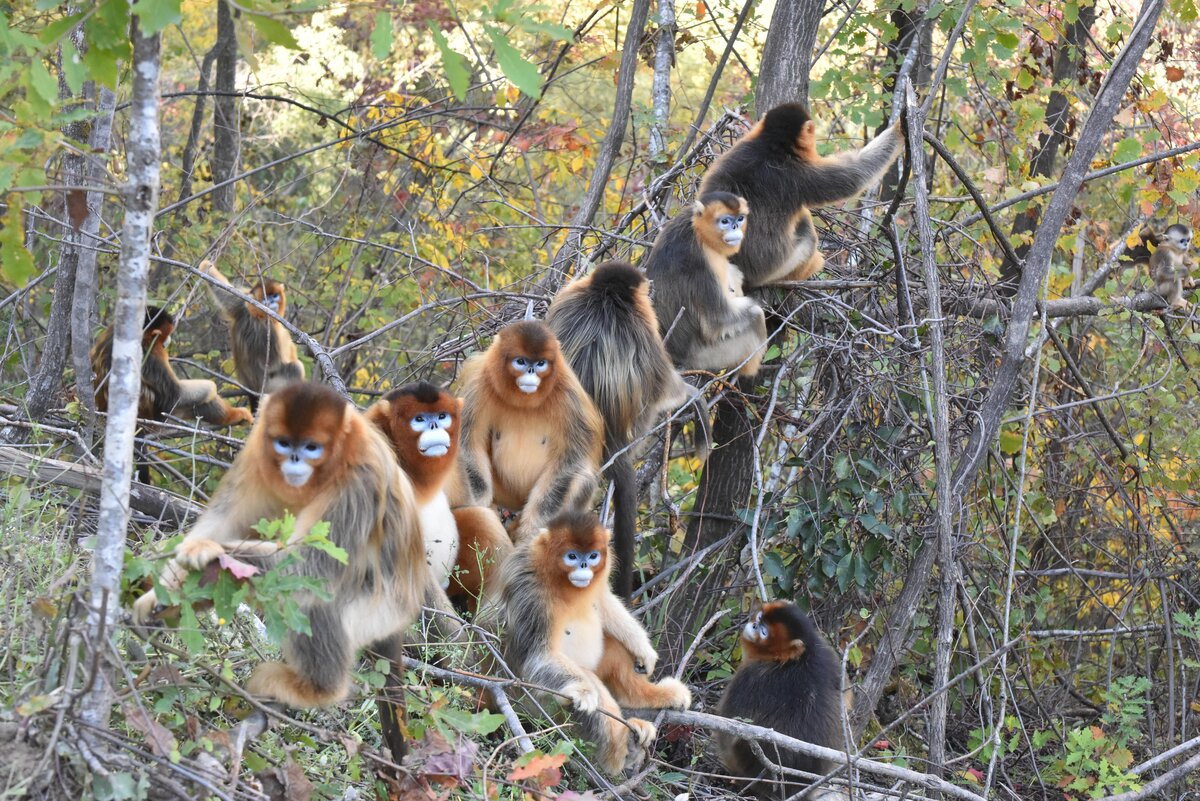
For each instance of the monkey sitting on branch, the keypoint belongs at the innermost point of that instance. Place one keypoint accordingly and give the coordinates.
(565, 630)
(264, 354)
(1170, 261)
(312, 454)
(790, 680)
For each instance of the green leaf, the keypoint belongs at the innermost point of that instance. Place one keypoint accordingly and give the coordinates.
(16, 263)
(522, 73)
(1127, 149)
(101, 65)
(453, 63)
(381, 35)
(72, 67)
(155, 15)
(56, 29)
(43, 82)
(274, 31)
(557, 32)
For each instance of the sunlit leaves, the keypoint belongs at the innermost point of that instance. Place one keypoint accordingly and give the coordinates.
(155, 15)
(523, 74)
(16, 263)
(457, 72)
(274, 31)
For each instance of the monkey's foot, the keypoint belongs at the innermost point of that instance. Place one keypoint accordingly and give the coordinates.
(584, 696)
(675, 694)
(197, 553)
(144, 608)
(238, 415)
(281, 682)
(641, 737)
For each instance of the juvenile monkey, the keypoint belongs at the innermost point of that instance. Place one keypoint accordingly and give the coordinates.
(464, 547)
(163, 392)
(698, 292)
(606, 328)
(264, 354)
(790, 681)
(564, 629)
(776, 168)
(1171, 263)
(312, 454)
(531, 438)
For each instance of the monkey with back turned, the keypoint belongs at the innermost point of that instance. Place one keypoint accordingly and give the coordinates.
(776, 168)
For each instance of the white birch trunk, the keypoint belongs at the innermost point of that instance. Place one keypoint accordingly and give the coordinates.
(141, 202)
(660, 91)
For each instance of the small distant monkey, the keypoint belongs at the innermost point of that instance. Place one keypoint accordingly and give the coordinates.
(531, 437)
(564, 629)
(698, 293)
(1171, 263)
(312, 454)
(608, 332)
(464, 547)
(776, 168)
(790, 680)
(163, 392)
(264, 354)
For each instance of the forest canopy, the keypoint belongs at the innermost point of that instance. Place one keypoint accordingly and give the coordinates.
(970, 455)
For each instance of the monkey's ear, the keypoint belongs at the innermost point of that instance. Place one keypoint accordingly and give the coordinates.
(459, 401)
(797, 647)
(348, 418)
(378, 412)
(697, 208)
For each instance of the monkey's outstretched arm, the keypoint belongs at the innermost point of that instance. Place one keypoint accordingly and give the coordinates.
(227, 303)
(621, 625)
(846, 174)
(198, 398)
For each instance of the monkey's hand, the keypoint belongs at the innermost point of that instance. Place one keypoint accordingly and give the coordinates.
(584, 695)
(643, 731)
(644, 655)
(682, 695)
(238, 415)
(143, 608)
(197, 552)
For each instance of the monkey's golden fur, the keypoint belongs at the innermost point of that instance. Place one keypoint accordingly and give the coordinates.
(607, 330)
(464, 546)
(1170, 262)
(162, 391)
(264, 354)
(581, 641)
(357, 487)
(537, 452)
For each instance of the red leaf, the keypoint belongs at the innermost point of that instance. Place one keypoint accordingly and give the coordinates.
(1174, 74)
(537, 766)
(701, 9)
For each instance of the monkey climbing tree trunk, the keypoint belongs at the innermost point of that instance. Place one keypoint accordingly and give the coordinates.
(1070, 56)
(225, 110)
(143, 154)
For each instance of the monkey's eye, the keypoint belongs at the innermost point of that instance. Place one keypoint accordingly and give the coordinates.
(741, 218)
(593, 558)
(442, 417)
(420, 418)
(571, 558)
(283, 446)
(541, 366)
(312, 450)
(520, 363)
(725, 221)
(762, 630)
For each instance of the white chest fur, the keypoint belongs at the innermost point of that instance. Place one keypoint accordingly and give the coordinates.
(582, 639)
(441, 537)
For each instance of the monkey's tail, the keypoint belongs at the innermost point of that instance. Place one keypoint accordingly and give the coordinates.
(625, 505)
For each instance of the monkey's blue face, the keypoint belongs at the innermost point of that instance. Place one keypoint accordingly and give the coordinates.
(271, 301)
(299, 459)
(755, 629)
(529, 373)
(434, 431)
(730, 226)
(583, 566)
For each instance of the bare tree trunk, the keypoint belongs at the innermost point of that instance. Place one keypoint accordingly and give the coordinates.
(1071, 55)
(225, 110)
(84, 315)
(141, 202)
(660, 92)
(608, 150)
(787, 54)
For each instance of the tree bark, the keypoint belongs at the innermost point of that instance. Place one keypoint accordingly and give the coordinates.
(225, 111)
(141, 201)
(660, 91)
(1069, 58)
(787, 54)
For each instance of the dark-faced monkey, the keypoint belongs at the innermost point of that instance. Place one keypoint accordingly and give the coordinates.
(776, 168)
(707, 321)
(606, 328)
(790, 680)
